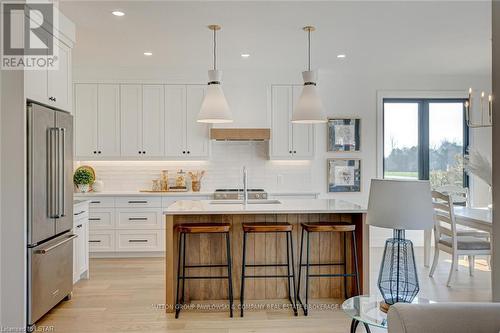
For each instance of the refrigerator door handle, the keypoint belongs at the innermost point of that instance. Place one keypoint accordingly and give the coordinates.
(50, 248)
(52, 173)
(62, 172)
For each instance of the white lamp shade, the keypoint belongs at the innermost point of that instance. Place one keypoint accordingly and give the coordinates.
(214, 108)
(309, 109)
(400, 204)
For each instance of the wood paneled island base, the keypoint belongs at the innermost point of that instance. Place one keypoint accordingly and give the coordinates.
(266, 248)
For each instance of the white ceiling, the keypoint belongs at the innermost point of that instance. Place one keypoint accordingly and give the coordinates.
(440, 37)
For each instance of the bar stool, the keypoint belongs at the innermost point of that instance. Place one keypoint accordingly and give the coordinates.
(202, 228)
(327, 227)
(275, 228)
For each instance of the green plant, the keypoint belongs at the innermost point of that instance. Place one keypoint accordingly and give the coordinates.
(83, 177)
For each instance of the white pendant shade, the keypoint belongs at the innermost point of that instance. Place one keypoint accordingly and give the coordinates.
(214, 108)
(309, 109)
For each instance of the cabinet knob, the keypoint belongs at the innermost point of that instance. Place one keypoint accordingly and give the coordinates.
(140, 152)
(295, 152)
(183, 151)
(289, 151)
(188, 152)
(100, 152)
(95, 151)
(144, 152)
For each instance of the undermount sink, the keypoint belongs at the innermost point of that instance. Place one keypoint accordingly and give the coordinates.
(240, 202)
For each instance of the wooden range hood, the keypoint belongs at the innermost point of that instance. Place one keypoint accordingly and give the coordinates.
(240, 134)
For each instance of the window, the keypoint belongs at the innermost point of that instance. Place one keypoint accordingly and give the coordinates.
(425, 139)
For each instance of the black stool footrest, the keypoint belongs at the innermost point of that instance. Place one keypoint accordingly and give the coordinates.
(266, 265)
(267, 276)
(204, 266)
(331, 275)
(201, 277)
(328, 264)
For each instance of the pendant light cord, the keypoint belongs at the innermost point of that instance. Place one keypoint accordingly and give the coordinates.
(309, 49)
(215, 54)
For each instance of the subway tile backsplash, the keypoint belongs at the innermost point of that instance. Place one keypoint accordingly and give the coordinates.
(223, 170)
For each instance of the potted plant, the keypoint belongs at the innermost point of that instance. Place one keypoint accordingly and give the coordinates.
(83, 178)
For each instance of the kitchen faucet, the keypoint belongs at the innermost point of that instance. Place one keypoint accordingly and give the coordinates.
(245, 185)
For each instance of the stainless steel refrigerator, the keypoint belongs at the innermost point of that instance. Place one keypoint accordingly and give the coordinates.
(50, 208)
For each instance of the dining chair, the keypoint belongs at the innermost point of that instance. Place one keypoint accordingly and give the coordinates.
(459, 194)
(448, 240)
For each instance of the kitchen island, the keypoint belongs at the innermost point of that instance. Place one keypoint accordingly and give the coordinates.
(263, 248)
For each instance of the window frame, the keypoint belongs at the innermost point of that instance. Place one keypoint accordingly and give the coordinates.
(423, 155)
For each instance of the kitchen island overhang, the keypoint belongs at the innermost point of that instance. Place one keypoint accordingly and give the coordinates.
(269, 248)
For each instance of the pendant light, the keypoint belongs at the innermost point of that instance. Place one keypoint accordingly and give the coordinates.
(309, 109)
(214, 108)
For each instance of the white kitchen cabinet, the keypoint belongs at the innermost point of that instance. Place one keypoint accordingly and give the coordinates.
(80, 244)
(175, 119)
(97, 116)
(59, 81)
(153, 120)
(197, 136)
(108, 120)
(142, 120)
(52, 86)
(85, 110)
(288, 141)
(131, 119)
(185, 137)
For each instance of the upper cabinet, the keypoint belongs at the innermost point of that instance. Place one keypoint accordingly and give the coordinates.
(142, 119)
(97, 120)
(139, 121)
(288, 141)
(185, 137)
(52, 87)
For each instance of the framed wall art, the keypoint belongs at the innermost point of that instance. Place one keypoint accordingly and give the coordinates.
(344, 175)
(344, 134)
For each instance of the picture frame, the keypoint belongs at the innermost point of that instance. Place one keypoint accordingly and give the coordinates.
(344, 175)
(344, 135)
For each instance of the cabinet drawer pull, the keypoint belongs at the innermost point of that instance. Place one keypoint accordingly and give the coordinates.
(79, 213)
(137, 202)
(94, 219)
(137, 240)
(137, 218)
(79, 226)
(94, 241)
(95, 201)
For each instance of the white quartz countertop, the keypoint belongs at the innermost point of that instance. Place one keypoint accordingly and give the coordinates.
(287, 206)
(171, 194)
(139, 194)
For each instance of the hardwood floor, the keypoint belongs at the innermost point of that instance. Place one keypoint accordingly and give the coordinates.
(126, 295)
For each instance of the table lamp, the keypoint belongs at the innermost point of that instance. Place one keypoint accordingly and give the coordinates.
(399, 205)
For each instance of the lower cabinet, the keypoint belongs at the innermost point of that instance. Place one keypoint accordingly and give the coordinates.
(81, 242)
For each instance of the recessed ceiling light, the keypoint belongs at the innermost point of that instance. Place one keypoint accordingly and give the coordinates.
(245, 55)
(341, 56)
(148, 53)
(117, 13)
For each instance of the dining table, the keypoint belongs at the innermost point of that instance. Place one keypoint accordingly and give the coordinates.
(479, 218)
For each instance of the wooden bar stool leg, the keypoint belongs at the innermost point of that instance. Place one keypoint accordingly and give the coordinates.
(243, 263)
(356, 270)
(306, 310)
(229, 274)
(344, 241)
(300, 270)
(177, 304)
(294, 303)
(183, 267)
